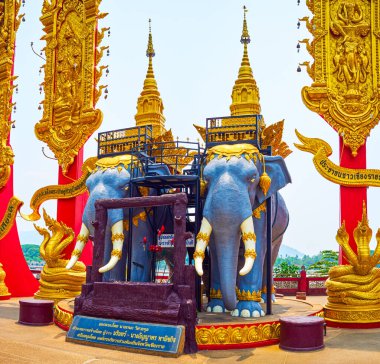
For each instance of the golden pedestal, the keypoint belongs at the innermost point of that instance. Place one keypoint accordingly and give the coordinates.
(4, 293)
(338, 315)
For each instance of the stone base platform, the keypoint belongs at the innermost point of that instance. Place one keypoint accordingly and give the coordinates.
(221, 331)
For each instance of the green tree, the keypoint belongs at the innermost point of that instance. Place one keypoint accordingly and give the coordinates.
(328, 259)
(286, 269)
(31, 253)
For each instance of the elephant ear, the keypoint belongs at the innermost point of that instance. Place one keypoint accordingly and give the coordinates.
(278, 173)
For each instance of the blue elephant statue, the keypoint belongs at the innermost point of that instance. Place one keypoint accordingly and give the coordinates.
(111, 179)
(239, 181)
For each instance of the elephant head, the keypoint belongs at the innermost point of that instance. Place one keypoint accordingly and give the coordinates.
(110, 179)
(238, 179)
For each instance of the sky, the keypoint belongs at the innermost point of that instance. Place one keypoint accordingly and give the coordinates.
(198, 54)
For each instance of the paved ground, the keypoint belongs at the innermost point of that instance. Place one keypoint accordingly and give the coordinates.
(46, 344)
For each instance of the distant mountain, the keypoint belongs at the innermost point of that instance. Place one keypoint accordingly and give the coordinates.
(288, 251)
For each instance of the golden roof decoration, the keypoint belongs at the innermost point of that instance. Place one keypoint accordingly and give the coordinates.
(245, 93)
(149, 104)
(202, 131)
(168, 151)
(272, 136)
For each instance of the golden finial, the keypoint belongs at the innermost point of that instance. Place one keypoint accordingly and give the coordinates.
(245, 94)
(245, 39)
(150, 50)
(149, 105)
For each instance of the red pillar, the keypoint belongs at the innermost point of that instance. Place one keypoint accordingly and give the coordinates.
(351, 198)
(19, 279)
(69, 211)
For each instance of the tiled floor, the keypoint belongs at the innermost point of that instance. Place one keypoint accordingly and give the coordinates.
(46, 344)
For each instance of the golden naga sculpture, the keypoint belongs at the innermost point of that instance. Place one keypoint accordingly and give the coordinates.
(72, 55)
(354, 290)
(56, 282)
(346, 70)
(357, 283)
(9, 23)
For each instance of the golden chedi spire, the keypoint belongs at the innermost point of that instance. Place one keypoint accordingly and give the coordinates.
(245, 94)
(149, 105)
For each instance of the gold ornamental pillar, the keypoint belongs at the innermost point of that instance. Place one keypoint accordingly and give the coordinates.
(345, 93)
(19, 279)
(69, 118)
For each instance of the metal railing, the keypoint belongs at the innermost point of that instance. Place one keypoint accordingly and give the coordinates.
(233, 129)
(121, 141)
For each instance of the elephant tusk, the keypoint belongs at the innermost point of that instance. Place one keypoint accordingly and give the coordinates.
(198, 260)
(249, 240)
(111, 264)
(247, 266)
(82, 239)
(203, 238)
(117, 246)
(72, 261)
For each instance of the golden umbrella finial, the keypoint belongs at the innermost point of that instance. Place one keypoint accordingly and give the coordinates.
(245, 38)
(150, 50)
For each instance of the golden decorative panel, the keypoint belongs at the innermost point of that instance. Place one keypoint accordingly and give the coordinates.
(336, 313)
(237, 334)
(72, 54)
(346, 70)
(9, 23)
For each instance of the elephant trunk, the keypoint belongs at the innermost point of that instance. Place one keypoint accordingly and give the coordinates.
(82, 239)
(117, 246)
(227, 250)
(203, 238)
(249, 239)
